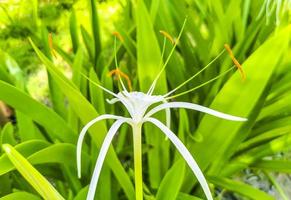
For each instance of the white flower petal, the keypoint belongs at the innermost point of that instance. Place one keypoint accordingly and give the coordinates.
(168, 116)
(123, 98)
(193, 106)
(186, 155)
(103, 151)
(112, 101)
(83, 133)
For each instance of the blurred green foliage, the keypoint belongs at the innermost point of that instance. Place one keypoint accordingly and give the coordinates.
(52, 101)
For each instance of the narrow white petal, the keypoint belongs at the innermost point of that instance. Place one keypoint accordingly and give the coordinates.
(186, 155)
(83, 133)
(124, 98)
(121, 97)
(103, 151)
(193, 106)
(112, 101)
(168, 116)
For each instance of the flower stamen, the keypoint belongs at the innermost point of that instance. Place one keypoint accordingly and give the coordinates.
(51, 45)
(168, 36)
(168, 59)
(234, 60)
(118, 36)
(120, 74)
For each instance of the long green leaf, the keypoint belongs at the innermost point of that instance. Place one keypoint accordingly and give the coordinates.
(86, 113)
(56, 126)
(74, 31)
(239, 98)
(7, 134)
(38, 182)
(183, 196)
(20, 195)
(238, 163)
(95, 30)
(26, 149)
(240, 188)
(171, 183)
(274, 165)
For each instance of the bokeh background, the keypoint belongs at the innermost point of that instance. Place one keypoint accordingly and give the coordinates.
(45, 101)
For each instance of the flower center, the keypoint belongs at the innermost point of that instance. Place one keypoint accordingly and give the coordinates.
(137, 103)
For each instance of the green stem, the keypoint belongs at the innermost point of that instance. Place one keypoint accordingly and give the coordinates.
(137, 161)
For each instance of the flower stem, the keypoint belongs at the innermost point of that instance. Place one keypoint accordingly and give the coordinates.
(137, 160)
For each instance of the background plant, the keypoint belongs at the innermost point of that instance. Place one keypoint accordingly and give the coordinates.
(76, 37)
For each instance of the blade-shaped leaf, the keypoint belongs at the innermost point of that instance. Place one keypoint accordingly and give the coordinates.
(38, 182)
(41, 114)
(238, 98)
(86, 113)
(240, 188)
(171, 183)
(26, 149)
(20, 195)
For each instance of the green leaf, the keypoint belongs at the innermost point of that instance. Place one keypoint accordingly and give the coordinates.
(264, 137)
(37, 112)
(240, 188)
(148, 51)
(183, 196)
(62, 154)
(128, 42)
(86, 113)
(58, 153)
(82, 194)
(37, 181)
(20, 195)
(171, 183)
(239, 162)
(74, 31)
(56, 96)
(6, 135)
(26, 129)
(26, 149)
(97, 97)
(73, 119)
(238, 98)
(88, 41)
(95, 30)
(274, 165)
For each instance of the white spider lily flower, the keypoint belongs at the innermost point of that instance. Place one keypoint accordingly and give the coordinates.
(137, 104)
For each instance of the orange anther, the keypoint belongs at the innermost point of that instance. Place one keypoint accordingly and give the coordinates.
(234, 60)
(118, 35)
(168, 36)
(51, 45)
(120, 74)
